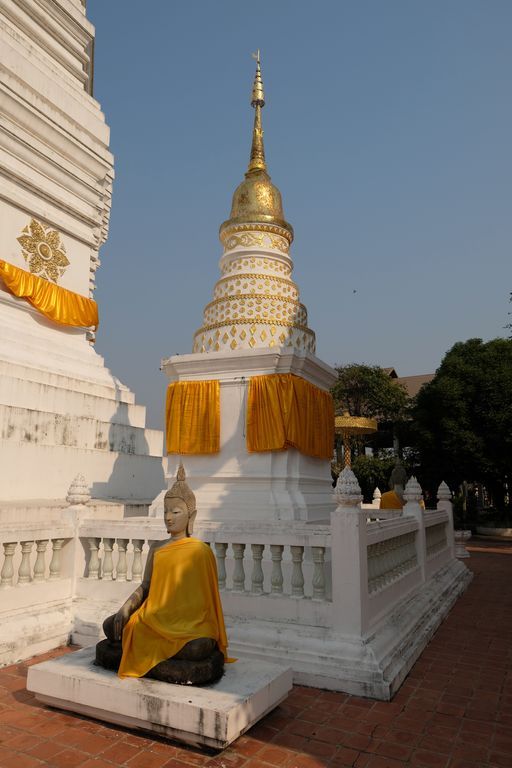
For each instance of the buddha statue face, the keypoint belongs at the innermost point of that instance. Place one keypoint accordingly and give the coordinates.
(176, 517)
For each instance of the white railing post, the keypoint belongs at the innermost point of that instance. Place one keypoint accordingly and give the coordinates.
(444, 502)
(412, 497)
(75, 559)
(349, 557)
(121, 570)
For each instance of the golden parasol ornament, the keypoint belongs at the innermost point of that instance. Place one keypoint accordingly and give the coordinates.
(352, 426)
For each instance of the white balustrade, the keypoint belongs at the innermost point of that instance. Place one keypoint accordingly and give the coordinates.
(389, 560)
(21, 569)
(436, 539)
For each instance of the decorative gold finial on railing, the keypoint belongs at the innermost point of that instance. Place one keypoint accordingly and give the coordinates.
(257, 161)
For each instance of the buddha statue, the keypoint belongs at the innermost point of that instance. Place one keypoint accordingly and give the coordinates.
(394, 498)
(172, 627)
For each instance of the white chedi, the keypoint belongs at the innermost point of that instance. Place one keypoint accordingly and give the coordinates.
(348, 492)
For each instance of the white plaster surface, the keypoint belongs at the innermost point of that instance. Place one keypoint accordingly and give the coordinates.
(61, 410)
(211, 716)
(235, 484)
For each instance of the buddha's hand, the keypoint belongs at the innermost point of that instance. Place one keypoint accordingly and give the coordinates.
(120, 620)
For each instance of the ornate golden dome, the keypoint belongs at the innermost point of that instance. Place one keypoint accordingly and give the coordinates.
(256, 199)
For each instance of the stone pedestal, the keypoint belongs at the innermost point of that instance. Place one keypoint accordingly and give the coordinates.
(212, 716)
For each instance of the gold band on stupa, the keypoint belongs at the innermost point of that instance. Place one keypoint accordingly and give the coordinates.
(255, 302)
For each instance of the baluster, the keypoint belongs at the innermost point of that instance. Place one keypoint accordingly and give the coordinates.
(55, 564)
(94, 561)
(137, 559)
(6, 576)
(371, 567)
(24, 572)
(318, 573)
(108, 563)
(121, 559)
(276, 580)
(40, 564)
(297, 575)
(238, 571)
(220, 551)
(257, 570)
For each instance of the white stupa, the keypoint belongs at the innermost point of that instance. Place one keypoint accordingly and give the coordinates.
(61, 410)
(255, 325)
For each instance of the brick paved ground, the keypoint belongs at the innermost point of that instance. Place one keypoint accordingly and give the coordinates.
(453, 711)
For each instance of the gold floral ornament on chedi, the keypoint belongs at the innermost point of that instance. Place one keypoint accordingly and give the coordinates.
(43, 251)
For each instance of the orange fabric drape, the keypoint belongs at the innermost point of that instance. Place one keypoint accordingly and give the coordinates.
(192, 417)
(183, 604)
(57, 303)
(285, 411)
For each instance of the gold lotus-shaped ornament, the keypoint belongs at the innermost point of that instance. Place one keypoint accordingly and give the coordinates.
(43, 251)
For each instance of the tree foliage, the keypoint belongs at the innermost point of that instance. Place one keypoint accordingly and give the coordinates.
(367, 390)
(463, 418)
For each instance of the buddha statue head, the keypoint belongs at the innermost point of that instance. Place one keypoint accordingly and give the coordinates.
(398, 479)
(180, 506)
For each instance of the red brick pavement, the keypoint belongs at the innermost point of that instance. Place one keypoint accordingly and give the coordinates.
(453, 711)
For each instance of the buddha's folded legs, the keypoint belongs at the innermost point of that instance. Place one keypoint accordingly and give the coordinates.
(199, 661)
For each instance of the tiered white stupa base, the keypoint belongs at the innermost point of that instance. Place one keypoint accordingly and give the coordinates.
(235, 484)
(62, 412)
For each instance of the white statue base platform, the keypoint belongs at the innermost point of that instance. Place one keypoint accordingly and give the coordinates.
(212, 716)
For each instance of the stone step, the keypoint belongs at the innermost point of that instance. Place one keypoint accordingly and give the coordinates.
(62, 399)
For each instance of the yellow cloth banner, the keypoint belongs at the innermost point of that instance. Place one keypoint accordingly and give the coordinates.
(192, 417)
(53, 301)
(183, 604)
(285, 411)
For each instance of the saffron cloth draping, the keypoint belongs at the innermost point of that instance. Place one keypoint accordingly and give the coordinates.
(183, 604)
(53, 301)
(285, 411)
(192, 417)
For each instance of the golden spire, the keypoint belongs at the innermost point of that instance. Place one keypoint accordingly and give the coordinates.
(256, 200)
(257, 161)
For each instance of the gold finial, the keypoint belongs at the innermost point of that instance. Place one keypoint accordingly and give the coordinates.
(257, 161)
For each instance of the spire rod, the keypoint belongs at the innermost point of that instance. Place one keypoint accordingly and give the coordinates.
(257, 160)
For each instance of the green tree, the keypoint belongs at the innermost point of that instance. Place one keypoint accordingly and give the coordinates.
(463, 418)
(367, 390)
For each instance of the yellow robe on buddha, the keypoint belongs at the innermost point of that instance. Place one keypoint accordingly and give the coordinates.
(391, 500)
(183, 604)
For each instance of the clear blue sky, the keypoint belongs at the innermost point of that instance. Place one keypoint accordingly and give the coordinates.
(388, 129)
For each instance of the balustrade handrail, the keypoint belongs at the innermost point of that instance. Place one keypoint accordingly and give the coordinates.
(293, 533)
(30, 531)
(381, 530)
